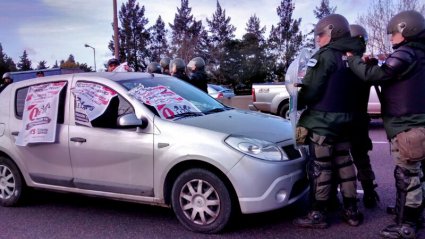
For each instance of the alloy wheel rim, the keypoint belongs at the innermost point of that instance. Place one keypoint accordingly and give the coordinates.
(7, 182)
(200, 202)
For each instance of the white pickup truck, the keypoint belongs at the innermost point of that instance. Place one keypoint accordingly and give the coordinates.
(270, 98)
(273, 98)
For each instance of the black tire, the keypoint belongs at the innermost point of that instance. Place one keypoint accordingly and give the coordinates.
(284, 111)
(12, 185)
(189, 201)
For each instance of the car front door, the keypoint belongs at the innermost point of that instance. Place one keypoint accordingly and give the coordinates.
(108, 158)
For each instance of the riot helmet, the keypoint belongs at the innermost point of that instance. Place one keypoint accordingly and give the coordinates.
(177, 65)
(196, 63)
(358, 31)
(165, 62)
(154, 67)
(411, 24)
(333, 25)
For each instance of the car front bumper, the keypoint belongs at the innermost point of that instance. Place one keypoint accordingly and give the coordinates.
(263, 185)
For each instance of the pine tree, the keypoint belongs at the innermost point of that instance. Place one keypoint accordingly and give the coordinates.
(6, 63)
(285, 39)
(24, 63)
(220, 31)
(55, 65)
(133, 36)
(319, 12)
(42, 65)
(253, 26)
(158, 45)
(323, 10)
(69, 63)
(186, 32)
(84, 67)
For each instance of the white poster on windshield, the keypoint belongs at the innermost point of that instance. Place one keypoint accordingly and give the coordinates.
(91, 101)
(166, 102)
(40, 114)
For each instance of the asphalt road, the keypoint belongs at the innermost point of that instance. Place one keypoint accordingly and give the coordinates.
(57, 215)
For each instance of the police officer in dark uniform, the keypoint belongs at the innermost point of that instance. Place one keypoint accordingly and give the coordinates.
(178, 69)
(6, 80)
(360, 142)
(165, 65)
(328, 94)
(403, 111)
(198, 76)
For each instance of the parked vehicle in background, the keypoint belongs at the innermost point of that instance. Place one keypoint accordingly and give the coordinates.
(374, 106)
(270, 98)
(220, 92)
(24, 75)
(242, 89)
(146, 138)
(273, 98)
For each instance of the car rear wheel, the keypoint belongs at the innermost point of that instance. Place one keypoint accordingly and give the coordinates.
(201, 201)
(284, 111)
(11, 183)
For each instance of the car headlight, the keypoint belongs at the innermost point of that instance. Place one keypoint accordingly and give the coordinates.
(257, 148)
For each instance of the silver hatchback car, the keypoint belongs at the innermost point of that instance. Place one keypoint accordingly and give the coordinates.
(146, 138)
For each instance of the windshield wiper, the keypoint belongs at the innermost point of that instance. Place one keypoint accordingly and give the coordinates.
(186, 114)
(217, 110)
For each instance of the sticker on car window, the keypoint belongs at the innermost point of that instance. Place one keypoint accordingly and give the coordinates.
(39, 120)
(168, 104)
(91, 101)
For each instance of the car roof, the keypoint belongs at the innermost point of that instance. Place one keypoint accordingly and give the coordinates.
(113, 76)
(119, 76)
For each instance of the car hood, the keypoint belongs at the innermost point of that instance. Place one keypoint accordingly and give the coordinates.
(244, 123)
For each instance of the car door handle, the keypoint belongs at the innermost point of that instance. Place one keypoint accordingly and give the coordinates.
(78, 139)
(15, 133)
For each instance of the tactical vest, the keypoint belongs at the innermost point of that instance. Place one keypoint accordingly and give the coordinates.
(405, 95)
(339, 95)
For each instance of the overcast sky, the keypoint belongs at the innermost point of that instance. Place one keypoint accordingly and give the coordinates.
(51, 30)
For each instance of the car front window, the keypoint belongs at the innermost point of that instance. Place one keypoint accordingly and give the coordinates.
(201, 101)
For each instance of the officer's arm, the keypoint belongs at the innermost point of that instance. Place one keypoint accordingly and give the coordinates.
(395, 65)
(315, 80)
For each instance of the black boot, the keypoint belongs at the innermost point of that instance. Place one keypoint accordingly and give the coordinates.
(370, 197)
(351, 214)
(406, 228)
(316, 218)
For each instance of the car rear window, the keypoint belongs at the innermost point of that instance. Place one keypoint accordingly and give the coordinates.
(21, 94)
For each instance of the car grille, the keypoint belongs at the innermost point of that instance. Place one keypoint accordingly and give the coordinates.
(291, 151)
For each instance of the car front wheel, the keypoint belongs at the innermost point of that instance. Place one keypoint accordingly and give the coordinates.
(201, 201)
(11, 183)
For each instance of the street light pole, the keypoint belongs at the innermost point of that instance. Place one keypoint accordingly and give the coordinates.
(94, 55)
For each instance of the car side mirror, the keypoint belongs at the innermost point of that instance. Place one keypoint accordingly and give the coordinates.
(131, 120)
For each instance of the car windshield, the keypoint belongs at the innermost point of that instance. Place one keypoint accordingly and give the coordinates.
(180, 97)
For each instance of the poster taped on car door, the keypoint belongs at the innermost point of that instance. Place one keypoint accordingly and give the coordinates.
(167, 103)
(91, 101)
(39, 120)
(294, 75)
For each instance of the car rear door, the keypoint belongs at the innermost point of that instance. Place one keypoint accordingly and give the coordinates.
(110, 159)
(46, 163)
